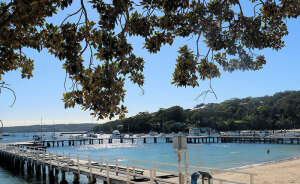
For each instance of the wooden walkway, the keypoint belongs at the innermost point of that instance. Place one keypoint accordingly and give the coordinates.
(109, 169)
(168, 139)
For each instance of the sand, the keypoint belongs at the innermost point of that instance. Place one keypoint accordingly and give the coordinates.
(281, 172)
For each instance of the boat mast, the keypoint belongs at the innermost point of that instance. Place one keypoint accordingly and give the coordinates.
(1, 126)
(41, 126)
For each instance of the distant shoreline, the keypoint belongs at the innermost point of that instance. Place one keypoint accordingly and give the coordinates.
(50, 128)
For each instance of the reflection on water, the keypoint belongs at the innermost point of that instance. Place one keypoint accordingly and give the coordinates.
(110, 146)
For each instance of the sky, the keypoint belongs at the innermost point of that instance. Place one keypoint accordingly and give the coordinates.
(40, 97)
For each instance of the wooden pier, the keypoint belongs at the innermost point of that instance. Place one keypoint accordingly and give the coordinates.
(111, 170)
(243, 139)
(167, 139)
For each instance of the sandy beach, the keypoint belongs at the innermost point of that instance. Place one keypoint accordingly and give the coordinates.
(281, 172)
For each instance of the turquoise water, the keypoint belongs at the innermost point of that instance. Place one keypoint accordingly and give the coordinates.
(216, 155)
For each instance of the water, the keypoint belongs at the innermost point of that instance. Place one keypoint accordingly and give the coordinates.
(216, 155)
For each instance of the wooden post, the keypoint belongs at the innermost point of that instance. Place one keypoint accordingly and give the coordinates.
(90, 165)
(68, 162)
(127, 169)
(251, 179)
(151, 178)
(78, 165)
(76, 177)
(144, 140)
(133, 166)
(154, 168)
(155, 140)
(179, 166)
(101, 161)
(117, 167)
(107, 173)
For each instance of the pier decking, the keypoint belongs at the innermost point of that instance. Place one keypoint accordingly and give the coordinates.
(168, 139)
(109, 169)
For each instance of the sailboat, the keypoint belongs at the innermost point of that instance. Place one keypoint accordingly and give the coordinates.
(53, 135)
(38, 137)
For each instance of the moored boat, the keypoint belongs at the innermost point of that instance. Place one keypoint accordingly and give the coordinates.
(115, 134)
(91, 134)
(37, 137)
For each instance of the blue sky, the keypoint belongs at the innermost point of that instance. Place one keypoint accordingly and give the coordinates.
(41, 95)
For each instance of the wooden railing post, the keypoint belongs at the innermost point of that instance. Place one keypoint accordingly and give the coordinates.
(78, 165)
(117, 166)
(151, 177)
(57, 160)
(63, 161)
(68, 162)
(90, 165)
(133, 166)
(107, 173)
(251, 178)
(44, 158)
(50, 155)
(154, 168)
(101, 161)
(128, 176)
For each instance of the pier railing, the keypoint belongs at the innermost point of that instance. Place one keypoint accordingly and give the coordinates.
(125, 170)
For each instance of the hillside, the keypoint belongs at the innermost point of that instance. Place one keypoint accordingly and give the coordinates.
(280, 111)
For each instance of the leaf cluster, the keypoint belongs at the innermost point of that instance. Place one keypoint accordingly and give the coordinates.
(229, 34)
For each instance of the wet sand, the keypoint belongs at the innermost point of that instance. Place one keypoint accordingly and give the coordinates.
(284, 172)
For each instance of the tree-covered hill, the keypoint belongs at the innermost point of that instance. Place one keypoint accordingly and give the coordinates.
(280, 111)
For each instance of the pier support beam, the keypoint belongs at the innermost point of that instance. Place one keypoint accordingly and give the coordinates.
(76, 178)
(91, 180)
(144, 140)
(37, 169)
(63, 178)
(155, 140)
(28, 167)
(56, 172)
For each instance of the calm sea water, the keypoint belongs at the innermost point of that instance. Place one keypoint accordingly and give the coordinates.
(216, 155)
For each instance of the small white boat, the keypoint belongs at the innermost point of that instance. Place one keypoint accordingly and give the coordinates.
(91, 134)
(153, 133)
(115, 134)
(53, 136)
(25, 135)
(37, 137)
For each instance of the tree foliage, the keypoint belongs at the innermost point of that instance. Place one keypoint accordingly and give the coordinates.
(229, 34)
(280, 111)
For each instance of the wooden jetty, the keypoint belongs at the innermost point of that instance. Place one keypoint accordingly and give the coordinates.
(243, 139)
(111, 170)
(168, 139)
